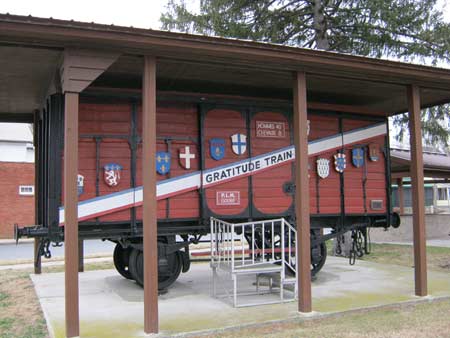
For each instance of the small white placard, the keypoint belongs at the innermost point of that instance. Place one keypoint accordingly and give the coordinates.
(270, 129)
(228, 198)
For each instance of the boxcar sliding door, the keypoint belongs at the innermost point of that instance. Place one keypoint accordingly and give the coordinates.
(226, 153)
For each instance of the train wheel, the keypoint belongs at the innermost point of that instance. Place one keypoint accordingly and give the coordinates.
(318, 257)
(136, 265)
(168, 269)
(121, 259)
(168, 274)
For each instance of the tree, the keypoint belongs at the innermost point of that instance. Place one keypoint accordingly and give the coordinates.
(435, 126)
(402, 29)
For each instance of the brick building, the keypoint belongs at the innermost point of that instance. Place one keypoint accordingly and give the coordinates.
(16, 177)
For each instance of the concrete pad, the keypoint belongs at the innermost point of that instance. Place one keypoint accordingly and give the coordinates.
(111, 306)
(49, 263)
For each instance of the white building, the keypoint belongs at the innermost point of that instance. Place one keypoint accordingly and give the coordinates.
(16, 143)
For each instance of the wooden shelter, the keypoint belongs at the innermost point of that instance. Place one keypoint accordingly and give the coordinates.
(39, 57)
(436, 167)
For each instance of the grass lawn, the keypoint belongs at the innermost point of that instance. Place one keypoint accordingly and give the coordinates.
(20, 312)
(412, 321)
(21, 315)
(438, 259)
(418, 321)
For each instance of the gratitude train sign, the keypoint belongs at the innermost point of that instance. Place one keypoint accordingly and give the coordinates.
(247, 167)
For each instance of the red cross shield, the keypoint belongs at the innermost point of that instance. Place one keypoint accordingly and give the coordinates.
(186, 157)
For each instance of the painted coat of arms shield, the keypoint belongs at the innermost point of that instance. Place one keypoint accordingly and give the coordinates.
(239, 143)
(80, 184)
(111, 174)
(358, 157)
(340, 162)
(374, 152)
(162, 162)
(217, 148)
(323, 167)
(186, 156)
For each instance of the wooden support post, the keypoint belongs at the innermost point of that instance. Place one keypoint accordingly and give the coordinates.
(417, 186)
(37, 256)
(149, 196)
(71, 214)
(80, 255)
(302, 193)
(401, 197)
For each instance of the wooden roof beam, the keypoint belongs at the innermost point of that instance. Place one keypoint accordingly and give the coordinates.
(80, 67)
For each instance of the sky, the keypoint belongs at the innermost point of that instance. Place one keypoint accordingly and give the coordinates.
(136, 13)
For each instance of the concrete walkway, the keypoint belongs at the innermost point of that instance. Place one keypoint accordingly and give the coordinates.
(111, 306)
(54, 262)
(439, 242)
(10, 252)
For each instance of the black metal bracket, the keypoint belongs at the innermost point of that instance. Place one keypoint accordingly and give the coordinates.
(289, 188)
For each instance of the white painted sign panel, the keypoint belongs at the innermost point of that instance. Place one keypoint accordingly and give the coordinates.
(228, 198)
(270, 129)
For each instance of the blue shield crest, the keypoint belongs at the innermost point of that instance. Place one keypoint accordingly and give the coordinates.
(162, 162)
(217, 148)
(358, 157)
(340, 162)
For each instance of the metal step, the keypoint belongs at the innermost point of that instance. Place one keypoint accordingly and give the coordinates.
(256, 269)
(266, 264)
(289, 280)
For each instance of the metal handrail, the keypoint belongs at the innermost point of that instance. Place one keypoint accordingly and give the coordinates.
(258, 259)
(292, 254)
(224, 250)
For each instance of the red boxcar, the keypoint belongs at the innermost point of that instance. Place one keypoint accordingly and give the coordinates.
(233, 160)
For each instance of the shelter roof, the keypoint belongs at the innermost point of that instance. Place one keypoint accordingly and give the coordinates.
(436, 164)
(31, 50)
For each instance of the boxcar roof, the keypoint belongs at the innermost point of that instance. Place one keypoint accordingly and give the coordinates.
(31, 49)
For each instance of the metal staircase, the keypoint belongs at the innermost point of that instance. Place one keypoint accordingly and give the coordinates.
(263, 250)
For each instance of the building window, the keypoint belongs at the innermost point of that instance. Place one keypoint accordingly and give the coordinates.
(26, 190)
(442, 194)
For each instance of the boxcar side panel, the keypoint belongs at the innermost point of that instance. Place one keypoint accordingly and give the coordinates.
(177, 128)
(271, 131)
(107, 134)
(103, 121)
(325, 195)
(367, 182)
(229, 198)
(181, 123)
(115, 151)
